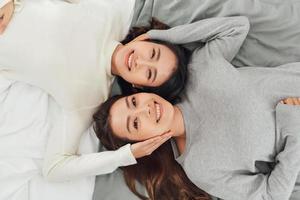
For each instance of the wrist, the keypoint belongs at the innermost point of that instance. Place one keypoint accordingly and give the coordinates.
(126, 156)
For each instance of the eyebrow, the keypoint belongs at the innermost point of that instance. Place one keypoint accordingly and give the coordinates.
(128, 118)
(127, 124)
(127, 102)
(155, 74)
(158, 54)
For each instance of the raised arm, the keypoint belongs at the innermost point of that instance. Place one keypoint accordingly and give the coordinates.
(62, 162)
(280, 182)
(223, 35)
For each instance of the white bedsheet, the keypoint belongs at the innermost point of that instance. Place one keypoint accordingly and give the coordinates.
(24, 121)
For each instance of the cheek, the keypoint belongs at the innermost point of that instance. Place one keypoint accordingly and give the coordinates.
(136, 78)
(164, 75)
(156, 129)
(168, 117)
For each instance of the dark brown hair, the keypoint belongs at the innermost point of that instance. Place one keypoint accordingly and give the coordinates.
(137, 31)
(159, 173)
(171, 89)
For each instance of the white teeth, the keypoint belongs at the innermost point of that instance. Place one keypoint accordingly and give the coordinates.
(130, 60)
(157, 111)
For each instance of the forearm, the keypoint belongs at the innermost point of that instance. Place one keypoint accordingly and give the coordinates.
(281, 181)
(278, 185)
(62, 162)
(225, 33)
(67, 167)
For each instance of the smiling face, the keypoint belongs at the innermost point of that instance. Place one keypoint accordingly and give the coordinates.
(145, 63)
(141, 116)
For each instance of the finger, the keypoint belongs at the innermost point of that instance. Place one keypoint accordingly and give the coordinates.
(157, 145)
(141, 37)
(149, 146)
(290, 101)
(159, 142)
(287, 101)
(150, 142)
(5, 20)
(297, 102)
(294, 100)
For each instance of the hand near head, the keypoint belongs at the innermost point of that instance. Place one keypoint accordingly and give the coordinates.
(145, 148)
(142, 37)
(6, 14)
(291, 101)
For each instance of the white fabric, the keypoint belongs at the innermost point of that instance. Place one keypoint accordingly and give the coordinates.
(24, 124)
(65, 49)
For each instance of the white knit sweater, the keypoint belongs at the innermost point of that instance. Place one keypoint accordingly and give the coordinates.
(65, 49)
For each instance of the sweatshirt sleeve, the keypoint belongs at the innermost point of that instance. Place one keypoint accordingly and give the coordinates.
(280, 182)
(222, 35)
(62, 162)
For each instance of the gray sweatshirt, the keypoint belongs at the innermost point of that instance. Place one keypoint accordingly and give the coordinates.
(232, 120)
(275, 24)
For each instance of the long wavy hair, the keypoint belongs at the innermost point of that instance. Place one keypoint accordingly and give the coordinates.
(171, 89)
(159, 173)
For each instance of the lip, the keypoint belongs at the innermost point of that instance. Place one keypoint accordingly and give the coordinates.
(160, 110)
(127, 60)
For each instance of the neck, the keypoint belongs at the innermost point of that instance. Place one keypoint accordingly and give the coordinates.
(179, 131)
(178, 124)
(114, 69)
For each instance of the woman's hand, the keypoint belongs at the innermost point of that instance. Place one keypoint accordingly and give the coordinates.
(291, 101)
(6, 14)
(145, 148)
(142, 37)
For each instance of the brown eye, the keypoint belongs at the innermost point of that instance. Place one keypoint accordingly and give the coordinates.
(153, 54)
(135, 123)
(133, 101)
(149, 74)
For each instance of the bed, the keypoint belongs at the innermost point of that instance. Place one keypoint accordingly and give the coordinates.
(24, 120)
(24, 112)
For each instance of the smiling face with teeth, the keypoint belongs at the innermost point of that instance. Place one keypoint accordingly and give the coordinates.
(144, 63)
(141, 116)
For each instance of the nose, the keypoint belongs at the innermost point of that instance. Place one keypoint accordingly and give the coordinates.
(144, 109)
(141, 62)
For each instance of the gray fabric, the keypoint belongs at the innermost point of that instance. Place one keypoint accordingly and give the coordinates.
(272, 40)
(274, 37)
(229, 116)
(112, 187)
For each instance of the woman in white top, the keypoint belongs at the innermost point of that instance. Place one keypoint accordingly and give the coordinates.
(71, 52)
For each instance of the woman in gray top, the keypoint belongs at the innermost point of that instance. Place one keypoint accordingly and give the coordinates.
(235, 142)
(274, 36)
